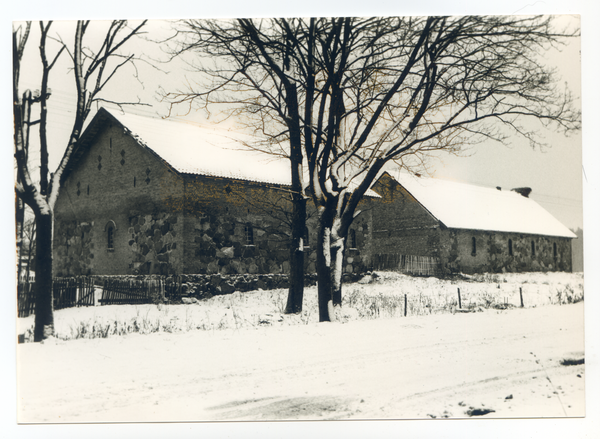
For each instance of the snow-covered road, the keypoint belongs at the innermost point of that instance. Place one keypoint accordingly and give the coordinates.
(415, 367)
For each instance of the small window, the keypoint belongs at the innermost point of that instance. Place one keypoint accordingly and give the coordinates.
(555, 251)
(510, 249)
(110, 229)
(249, 232)
(473, 246)
(352, 239)
(110, 237)
(532, 248)
(305, 238)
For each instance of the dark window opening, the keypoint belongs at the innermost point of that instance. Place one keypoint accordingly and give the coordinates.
(110, 237)
(532, 248)
(305, 238)
(352, 239)
(555, 251)
(88, 189)
(510, 249)
(110, 229)
(473, 246)
(249, 233)
(133, 181)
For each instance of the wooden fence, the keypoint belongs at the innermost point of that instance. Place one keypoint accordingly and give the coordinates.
(67, 292)
(80, 291)
(128, 291)
(138, 291)
(410, 264)
(25, 299)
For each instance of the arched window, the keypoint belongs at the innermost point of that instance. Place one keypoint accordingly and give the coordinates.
(473, 246)
(110, 229)
(249, 232)
(110, 235)
(532, 248)
(510, 250)
(352, 239)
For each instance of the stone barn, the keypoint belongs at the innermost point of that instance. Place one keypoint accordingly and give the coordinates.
(142, 195)
(457, 227)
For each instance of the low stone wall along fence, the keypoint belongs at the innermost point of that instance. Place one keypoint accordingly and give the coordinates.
(130, 290)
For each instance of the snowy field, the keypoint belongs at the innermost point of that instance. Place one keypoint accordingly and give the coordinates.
(238, 357)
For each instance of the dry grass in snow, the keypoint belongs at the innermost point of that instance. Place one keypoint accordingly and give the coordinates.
(381, 295)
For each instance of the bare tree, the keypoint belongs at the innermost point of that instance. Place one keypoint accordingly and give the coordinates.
(370, 91)
(263, 67)
(92, 70)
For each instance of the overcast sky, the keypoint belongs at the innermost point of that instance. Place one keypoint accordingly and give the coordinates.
(554, 174)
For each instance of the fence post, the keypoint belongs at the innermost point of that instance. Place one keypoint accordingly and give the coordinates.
(459, 301)
(521, 294)
(405, 307)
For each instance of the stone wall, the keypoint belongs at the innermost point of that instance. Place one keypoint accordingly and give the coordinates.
(74, 248)
(206, 285)
(117, 182)
(493, 255)
(402, 226)
(400, 223)
(166, 223)
(235, 227)
(153, 243)
(357, 258)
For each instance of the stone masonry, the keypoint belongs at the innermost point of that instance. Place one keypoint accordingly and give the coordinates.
(122, 210)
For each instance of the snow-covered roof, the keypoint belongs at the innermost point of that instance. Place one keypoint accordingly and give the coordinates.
(193, 149)
(465, 206)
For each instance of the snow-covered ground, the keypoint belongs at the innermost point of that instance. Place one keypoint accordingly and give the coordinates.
(237, 358)
(377, 296)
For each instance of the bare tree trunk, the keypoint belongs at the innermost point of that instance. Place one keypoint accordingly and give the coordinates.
(44, 315)
(324, 272)
(296, 291)
(327, 260)
(337, 270)
(330, 261)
